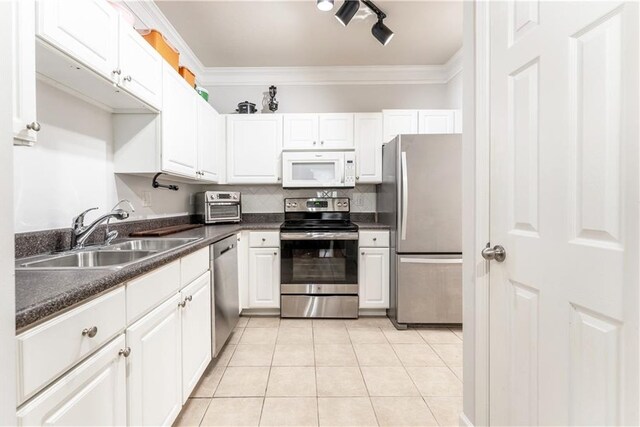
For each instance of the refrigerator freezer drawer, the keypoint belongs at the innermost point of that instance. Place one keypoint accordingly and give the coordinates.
(429, 289)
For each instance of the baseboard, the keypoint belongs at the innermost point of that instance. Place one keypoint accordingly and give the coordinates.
(372, 312)
(260, 312)
(464, 421)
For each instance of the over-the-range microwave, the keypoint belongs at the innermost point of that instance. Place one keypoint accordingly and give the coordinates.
(318, 169)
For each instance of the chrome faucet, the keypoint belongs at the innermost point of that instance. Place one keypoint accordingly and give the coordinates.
(81, 232)
(111, 235)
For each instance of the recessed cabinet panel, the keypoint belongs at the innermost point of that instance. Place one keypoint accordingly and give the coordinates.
(254, 145)
(336, 131)
(24, 73)
(399, 122)
(300, 131)
(85, 29)
(374, 277)
(436, 121)
(264, 277)
(368, 139)
(208, 156)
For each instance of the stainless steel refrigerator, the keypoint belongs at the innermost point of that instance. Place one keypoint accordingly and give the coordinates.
(420, 198)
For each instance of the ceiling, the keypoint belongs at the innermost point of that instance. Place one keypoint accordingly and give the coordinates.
(241, 33)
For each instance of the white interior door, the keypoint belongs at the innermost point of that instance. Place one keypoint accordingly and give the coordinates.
(564, 204)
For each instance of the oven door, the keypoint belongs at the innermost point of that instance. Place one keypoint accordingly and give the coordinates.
(313, 169)
(222, 212)
(319, 263)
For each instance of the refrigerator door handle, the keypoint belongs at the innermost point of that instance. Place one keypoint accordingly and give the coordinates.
(405, 195)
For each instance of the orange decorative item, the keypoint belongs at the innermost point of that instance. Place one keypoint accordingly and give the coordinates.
(161, 44)
(188, 75)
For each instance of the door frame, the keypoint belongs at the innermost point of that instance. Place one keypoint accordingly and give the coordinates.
(476, 212)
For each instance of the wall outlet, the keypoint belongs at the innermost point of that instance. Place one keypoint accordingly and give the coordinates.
(358, 199)
(146, 199)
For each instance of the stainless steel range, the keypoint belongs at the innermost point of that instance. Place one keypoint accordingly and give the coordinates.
(319, 259)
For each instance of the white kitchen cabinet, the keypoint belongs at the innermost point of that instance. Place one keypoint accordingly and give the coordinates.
(93, 393)
(155, 366)
(368, 141)
(336, 131)
(208, 157)
(87, 30)
(435, 121)
(373, 265)
(196, 332)
(457, 118)
(300, 131)
(254, 148)
(179, 125)
(398, 122)
(139, 68)
(25, 123)
(264, 277)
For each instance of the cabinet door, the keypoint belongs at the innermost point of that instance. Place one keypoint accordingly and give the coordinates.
(435, 121)
(139, 66)
(399, 122)
(196, 332)
(264, 277)
(336, 131)
(300, 131)
(374, 277)
(254, 149)
(457, 121)
(24, 73)
(155, 366)
(208, 123)
(86, 30)
(179, 125)
(92, 394)
(368, 137)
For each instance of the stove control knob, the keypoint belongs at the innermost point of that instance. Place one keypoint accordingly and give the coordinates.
(235, 196)
(288, 205)
(294, 204)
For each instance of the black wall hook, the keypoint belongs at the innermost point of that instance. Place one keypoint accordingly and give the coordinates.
(156, 184)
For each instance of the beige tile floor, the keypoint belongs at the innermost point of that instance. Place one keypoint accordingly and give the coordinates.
(361, 372)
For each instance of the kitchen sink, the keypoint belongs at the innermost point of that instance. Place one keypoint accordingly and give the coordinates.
(90, 259)
(147, 245)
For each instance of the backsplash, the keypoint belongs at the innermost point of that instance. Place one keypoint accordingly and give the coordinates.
(270, 198)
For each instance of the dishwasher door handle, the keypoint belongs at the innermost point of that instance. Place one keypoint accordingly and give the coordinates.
(227, 249)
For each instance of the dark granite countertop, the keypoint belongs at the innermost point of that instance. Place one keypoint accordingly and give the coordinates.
(43, 293)
(371, 226)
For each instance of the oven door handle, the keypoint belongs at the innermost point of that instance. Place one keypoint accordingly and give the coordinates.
(319, 236)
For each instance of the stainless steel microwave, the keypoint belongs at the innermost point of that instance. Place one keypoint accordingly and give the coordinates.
(218, 206)
(318, 169)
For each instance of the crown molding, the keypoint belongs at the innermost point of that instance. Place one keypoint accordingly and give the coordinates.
(150, 16)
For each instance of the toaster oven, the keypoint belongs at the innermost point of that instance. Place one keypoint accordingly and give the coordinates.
(218, 206)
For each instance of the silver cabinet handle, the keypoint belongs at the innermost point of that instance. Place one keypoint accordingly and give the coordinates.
(127, 78)
(182, 304)
(90, 332)
(34, 126)
(497, 253)
(188, 299)
(117, 71)
(125, 352)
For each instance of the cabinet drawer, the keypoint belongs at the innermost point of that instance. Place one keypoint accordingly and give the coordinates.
(264, 239)
(148, 291)
(373, 239)
(193, 265)
(48, 350)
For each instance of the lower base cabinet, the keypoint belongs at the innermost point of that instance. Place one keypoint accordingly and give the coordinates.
(155, 366)
(93, 393)
(264, 277)
(373, 276)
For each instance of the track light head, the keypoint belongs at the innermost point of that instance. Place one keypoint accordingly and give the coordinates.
(347, 11)
(381, 32)
(324, 5)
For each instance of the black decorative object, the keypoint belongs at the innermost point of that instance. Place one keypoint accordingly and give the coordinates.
(246, 107)
(273, 103)
(156, 184)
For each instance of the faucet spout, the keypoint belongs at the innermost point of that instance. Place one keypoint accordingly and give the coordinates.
(81, 232)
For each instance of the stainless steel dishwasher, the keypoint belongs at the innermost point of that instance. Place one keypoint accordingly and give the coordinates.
(224, 264)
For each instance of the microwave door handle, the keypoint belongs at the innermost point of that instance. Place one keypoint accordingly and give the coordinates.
(343, 172)
(405, 195)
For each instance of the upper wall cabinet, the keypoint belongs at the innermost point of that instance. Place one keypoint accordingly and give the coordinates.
(208, 130)
(25, 124)
(85, 29)
(436, 121)
(254, 146)
(398, 122)
(318, 131)
(368, 139)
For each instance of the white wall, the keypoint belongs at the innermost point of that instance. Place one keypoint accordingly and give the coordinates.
(332, 98)
(71, 169)
(454, 92)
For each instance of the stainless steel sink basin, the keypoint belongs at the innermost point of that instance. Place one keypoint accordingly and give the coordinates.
(89, 259)
(148, 244)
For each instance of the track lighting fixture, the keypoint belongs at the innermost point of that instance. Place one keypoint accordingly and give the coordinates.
(324, 5)
(347, 11)
(349, 8)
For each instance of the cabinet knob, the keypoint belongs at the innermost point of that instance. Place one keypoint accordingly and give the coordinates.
(278, 178)
(357, 177)
(314, 143)
(117, 71)
(127, 78)
(321, 142)
(182, 304)
(264, 240)
(34, 126)
(189, 298)
(125, 352)
(90, 332)
(375, 239)
(275, 253)
(361, 253)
